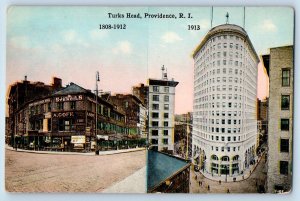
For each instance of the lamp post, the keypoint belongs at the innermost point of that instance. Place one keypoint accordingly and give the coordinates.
(96, 118)
(226, 168)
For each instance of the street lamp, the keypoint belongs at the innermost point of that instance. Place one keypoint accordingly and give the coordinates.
(96, 118)
(226, 168)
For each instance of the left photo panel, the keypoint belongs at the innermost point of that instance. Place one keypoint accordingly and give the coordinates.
(76, 103)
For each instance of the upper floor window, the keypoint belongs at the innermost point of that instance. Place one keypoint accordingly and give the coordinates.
(284, 167)
(284, 124)
(285, 102)
(155, 115)
(155, 97)
(155, 123)
(156, 88)
(166, 98)
(155, 106)
(73, 105)
(60, 105)
(166, 106)
(285, 77)
(284, 145)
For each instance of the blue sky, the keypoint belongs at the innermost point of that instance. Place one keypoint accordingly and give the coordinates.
(66, 42)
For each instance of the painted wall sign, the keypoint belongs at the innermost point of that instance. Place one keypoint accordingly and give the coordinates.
(68, 98)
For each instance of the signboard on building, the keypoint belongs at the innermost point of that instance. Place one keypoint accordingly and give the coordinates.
(79, 139)
(88, 130)
(68, 98)
(40, 102)
(103, 137)
(63, 114)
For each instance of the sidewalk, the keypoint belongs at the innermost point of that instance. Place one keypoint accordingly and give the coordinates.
(135, 183)
(223, 178)
(77, 153)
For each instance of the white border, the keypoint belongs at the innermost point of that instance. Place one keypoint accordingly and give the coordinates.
(4, 4)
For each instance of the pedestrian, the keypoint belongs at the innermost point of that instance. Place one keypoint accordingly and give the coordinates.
(220, 182)
(208, 188)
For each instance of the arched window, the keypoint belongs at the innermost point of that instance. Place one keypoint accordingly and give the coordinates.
(225, 158)
(214, 157)
(236, 157)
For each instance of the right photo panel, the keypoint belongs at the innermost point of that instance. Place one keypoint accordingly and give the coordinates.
(220, 100)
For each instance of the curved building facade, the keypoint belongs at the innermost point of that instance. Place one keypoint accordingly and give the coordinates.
(225, 91)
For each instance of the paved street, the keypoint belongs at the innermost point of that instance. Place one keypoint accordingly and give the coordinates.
(245, 186)
(31, 172)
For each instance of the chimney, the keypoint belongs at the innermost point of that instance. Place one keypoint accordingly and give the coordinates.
(57, 83)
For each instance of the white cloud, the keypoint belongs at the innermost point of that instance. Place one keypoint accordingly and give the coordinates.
(124, 47)
(22, 42)
(268, 25)
(71, 37)
(171, 37)
(204, 24)
(57, 48)
(98, 34)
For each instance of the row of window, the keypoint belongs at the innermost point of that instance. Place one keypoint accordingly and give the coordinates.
(218, 71)
(155, 141)
(156, 98)
(155, 123)
(156, 106)
(217, 55)
(225, 158)
(284, 123)
(228, 149)
(38, 109)
(220, 113)
(219, 97)
(157, 89)
(155, 115)
(155, 132)
(205, 48)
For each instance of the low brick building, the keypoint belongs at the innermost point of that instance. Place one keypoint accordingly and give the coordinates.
(66, 120)
(135, 112)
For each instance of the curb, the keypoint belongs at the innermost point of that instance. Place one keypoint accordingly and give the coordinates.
(76, 153)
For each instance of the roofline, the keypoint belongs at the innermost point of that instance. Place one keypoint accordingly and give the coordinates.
(173, 175)
(172, 82)
(213, 32)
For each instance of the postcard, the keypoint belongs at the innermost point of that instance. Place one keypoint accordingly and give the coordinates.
(149, 99)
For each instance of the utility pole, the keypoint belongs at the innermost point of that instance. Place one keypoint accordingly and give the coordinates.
(96, 118)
